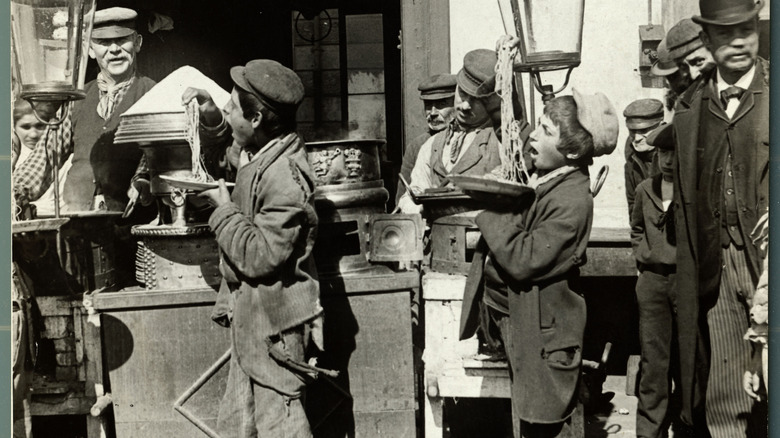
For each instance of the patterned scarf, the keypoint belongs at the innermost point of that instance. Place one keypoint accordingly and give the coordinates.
(111, 94)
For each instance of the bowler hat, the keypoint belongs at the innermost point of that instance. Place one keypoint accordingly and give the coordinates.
(276, 86)
(661, 137)
(664, 65)
(644, 113)
(683, 38)
(113, 23)
(597, 115)
(477, 78)
(727, 12)
(437, 87)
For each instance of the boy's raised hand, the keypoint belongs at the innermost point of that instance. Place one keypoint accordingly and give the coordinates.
(216, 196)
(211, 114)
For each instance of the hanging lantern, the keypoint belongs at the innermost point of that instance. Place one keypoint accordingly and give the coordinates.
(50, 43)
(549, 36)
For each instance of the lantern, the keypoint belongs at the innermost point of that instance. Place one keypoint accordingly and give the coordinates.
(50, 43)
(550, 38)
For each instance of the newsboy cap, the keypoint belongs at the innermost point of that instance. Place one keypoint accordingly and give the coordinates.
(597, 115)
(683, 38)
(477, 78)
(727, 12)
(664, 65)
(437, 87)
(661, 137)
(276, 86)
(644, 113)
(113, 23)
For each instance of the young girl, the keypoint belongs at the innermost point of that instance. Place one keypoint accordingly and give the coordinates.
(519, 280)
(28, 132)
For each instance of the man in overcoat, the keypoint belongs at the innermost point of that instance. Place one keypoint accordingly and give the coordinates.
(721, 134)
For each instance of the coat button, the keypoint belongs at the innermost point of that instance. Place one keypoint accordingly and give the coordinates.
(716, 213)
(730, 191)
(719, 170)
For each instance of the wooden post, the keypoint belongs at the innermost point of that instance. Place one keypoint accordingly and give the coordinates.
(425, 50)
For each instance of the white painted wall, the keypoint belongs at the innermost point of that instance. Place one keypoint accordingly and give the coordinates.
(610, 57)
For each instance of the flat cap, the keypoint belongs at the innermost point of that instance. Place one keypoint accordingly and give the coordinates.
(437, 87)
(727, 12)
(661, 137)
(477, 78)
(664, 65)
(644, 113)
(683, 38)
(597, 115)
(276, 86)
(114, 23)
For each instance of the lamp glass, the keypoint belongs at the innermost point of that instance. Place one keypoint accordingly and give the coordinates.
(50, 43)
(550, 33)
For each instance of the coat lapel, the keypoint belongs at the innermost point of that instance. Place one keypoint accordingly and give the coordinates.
(686, 135)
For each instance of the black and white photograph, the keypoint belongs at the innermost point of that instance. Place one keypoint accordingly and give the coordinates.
(389, 218)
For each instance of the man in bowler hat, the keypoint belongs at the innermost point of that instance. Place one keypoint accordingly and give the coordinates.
(269, 296)
(469, 145)
(438, 95)
(721, 132)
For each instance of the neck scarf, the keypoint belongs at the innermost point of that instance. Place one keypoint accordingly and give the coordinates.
(111, 94)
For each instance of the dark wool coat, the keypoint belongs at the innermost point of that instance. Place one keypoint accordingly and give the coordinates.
(539, 251)
(649, 237)
(265, 236)
(751, 174)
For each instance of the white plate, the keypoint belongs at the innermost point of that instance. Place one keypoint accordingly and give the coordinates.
(188, 184)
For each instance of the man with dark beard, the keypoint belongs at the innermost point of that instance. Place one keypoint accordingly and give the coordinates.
(438, 95)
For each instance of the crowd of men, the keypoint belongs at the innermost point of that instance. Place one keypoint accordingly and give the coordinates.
(696, 188)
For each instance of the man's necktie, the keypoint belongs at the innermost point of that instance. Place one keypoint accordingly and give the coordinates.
(731, 92)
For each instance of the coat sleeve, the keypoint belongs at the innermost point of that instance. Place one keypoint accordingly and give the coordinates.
(630, 186)
(537, 253)
(637, 226)
(258, 247)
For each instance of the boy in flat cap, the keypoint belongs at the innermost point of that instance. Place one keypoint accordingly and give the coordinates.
(469, 145)
(642, 116)
(721, 133)
(652, 239)
(687, 49)
(98, 166)
(269, 296)
(438, 95)
(520, 275)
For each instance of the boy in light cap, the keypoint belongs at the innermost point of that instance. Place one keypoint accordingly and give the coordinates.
(518, 287)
